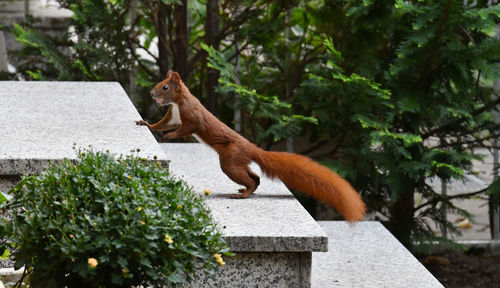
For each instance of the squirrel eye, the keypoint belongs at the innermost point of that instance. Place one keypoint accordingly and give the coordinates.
(165, 88)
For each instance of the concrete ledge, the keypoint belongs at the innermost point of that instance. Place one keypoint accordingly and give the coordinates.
(42, 120)
(291, 270)
(269, 220)
(366, 255)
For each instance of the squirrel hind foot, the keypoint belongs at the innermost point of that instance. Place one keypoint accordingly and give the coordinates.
(243, 195)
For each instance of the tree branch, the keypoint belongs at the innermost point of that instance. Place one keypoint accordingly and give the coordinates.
(478, 111)
(136, 42)
(238, 51)
(144, 67)
(440, 198)
(314, 147)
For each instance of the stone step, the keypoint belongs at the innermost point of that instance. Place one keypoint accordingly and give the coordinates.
(43, 120)
(366, 255)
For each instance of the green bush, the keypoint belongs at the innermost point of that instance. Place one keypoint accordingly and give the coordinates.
(102, 221)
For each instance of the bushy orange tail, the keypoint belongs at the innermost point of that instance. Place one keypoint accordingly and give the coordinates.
(302, 173)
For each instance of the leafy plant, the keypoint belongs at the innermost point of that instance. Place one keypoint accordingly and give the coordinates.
(102, 221)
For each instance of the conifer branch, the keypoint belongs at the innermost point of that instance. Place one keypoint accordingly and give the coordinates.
(438, 198)
(476, 112)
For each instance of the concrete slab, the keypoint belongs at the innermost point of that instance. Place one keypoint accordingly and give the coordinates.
(41, 121)
(269, 220)
(366, 255)
(281, 269)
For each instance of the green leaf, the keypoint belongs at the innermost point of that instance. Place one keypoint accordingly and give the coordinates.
(5, 254)
(4, 197)
(454, 169)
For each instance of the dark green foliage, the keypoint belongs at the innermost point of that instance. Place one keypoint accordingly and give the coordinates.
(259, 108)
(95, 50)
(401, 91)
(141, 225)
(434, 106)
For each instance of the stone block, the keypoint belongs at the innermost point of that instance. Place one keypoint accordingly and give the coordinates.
(280, 269)
(366, 255)
(43, 120)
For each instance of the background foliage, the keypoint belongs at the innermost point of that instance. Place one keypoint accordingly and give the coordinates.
(387, 93)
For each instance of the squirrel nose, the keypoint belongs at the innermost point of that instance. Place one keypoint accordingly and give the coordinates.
(152, 93)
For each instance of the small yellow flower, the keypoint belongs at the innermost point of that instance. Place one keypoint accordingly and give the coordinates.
(179, 206)
(138, 208)
(129, 177)
(168, 239)
(142, 222)
(206, 191)
(92, 263)
(219, 260)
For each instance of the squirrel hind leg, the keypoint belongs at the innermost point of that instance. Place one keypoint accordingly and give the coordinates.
(255, 177)
(243, 176)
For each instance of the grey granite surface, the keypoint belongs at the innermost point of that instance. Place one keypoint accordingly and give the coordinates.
(6, 183)
(271, 219)
(277, 270)
(42, 120)
(366, 255)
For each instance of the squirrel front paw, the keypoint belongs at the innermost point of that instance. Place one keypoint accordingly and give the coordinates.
(142, 123)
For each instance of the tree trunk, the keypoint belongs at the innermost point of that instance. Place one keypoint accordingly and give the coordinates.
(181, 43)
(401, 223)
(211, 31)
(161, 27)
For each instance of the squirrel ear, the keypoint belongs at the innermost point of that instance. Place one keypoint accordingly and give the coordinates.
(175, 77)
(169, 73)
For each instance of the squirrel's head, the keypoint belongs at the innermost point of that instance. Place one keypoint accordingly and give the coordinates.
(169, 90)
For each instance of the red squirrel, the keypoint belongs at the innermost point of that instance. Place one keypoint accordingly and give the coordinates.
(186, 116)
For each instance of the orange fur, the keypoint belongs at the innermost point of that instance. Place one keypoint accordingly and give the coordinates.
(235, 153)
(302, 173)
